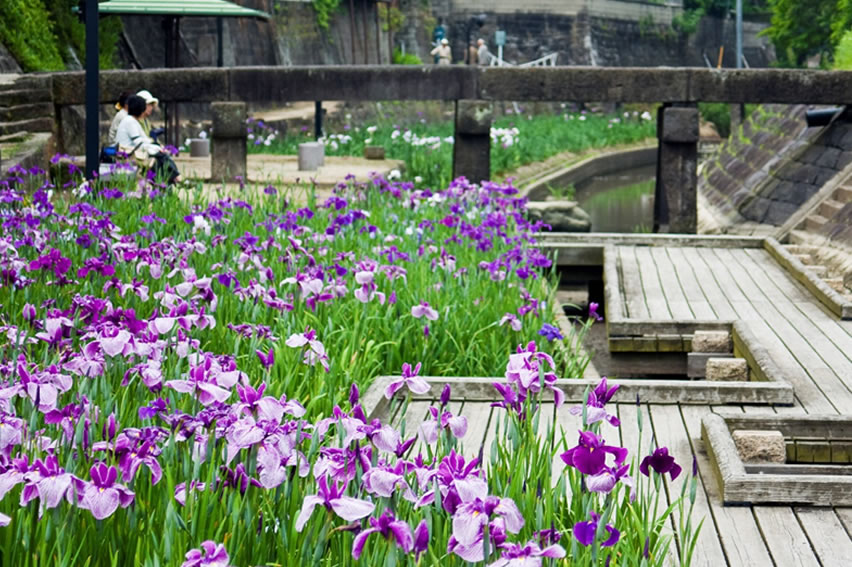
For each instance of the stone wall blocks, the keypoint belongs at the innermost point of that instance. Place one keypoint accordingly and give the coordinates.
(229, 119)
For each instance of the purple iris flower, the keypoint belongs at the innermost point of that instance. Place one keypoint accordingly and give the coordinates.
(333, 498)
(50, 481)
(423, 310)
(661, 462)
(595, 405)
(211, 554)
(593, 311)
(585, 532)
(14, 475)
(470, 517)
(606, 480)
(409, 378)
(550, 332)
(589, 456)
(102, 496)
(528, 555)
(267, 360)
(389, 527)
(421, 540)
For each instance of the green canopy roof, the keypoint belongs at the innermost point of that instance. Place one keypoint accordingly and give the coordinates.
(179, 8)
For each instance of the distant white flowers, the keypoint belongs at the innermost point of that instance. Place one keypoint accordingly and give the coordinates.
(506, 137)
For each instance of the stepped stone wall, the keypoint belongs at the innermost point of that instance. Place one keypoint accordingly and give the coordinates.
(765, 172)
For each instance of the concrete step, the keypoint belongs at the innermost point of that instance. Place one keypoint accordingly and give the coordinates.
(829, 208)
(815, 222)
(795, 249)
(818, 271)
(31, 125)
(843, 195)
(24, 96)
(30, 81)
(799, 237)
(26, 111)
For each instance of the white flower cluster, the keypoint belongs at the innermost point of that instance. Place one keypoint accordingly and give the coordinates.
(506, 137)
(432, 142)
(334, 141)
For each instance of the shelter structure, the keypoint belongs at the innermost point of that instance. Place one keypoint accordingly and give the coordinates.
(171, 12)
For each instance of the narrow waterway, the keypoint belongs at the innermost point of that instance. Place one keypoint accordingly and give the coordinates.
(619, 202)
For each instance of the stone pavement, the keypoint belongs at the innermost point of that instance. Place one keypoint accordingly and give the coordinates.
(278, 169)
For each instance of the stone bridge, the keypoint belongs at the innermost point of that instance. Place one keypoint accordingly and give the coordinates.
(473, 89)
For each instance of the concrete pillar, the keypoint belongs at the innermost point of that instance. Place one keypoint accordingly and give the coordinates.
(676, 196)
(472, 147)
(737, 116)
(228, 158)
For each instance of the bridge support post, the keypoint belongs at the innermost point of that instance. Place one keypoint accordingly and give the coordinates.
(676, 195)
(472, 147)
(228, 154)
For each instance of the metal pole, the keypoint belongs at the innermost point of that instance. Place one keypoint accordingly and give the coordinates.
(366, 34)
(739, 34)
(92, 90)
(220, 50)
(352, 27)
(390, 33)
(318, 119)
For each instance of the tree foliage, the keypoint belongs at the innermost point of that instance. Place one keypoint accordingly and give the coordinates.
(802, 29)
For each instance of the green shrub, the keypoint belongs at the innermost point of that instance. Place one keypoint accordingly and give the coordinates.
(843, 52)
(400, 58)
(28, 33)
(717, 113)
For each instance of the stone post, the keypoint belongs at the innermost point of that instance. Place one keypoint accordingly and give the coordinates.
(472, 147)
(228, 158)
(676, 195)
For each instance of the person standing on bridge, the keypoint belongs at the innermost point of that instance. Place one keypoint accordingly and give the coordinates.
(443, 52)
(483, 56)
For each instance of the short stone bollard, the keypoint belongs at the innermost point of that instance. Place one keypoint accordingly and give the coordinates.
(228, 158)
(374, 152)
(311, 156)
(711, 341)
(760, 446)
(199, 147)
(727, 370)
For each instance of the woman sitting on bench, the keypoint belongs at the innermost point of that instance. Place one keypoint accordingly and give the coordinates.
(133, 140)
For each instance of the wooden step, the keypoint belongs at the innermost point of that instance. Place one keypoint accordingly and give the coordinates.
(829, 208)
(32, 125)
(26, 112)
(24, 96)
(843, 195)
(815, 222)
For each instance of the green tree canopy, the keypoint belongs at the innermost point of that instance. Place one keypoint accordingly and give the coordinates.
(802, 29)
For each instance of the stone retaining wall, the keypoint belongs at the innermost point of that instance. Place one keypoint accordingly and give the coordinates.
(765, 172)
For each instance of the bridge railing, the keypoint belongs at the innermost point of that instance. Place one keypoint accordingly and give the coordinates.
(474, 88)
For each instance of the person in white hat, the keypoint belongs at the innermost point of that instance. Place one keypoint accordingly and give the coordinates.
(134, 141)
(151, 103)
(445, 56)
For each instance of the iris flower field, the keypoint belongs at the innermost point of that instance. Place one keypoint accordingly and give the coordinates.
(182, 378)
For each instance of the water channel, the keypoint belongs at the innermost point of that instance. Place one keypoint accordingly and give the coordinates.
(619, 202)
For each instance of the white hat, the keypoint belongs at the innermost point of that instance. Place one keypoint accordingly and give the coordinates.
(148, 97)
(444, 41)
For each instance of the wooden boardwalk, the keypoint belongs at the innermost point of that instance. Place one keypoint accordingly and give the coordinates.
(669, 285)
(736, 536)
(811, 345)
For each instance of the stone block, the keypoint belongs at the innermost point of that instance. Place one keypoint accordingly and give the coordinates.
(760, 446)
(562, 216)
(727, 370)
(229, 119)
(696, 363)
(712, 341)
(311, 156)
(183, 84)
(228, 159)
(680, 125)
(472, 156)
(474, 117)
(199, 147)
(374, 152)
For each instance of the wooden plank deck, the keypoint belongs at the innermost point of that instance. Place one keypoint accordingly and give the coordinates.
(681, 283)
(732, 535)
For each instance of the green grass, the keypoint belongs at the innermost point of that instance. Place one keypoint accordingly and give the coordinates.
(426, 146)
